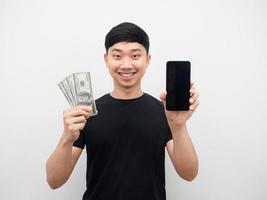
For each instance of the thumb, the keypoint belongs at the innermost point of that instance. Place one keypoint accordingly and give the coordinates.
(163, 97)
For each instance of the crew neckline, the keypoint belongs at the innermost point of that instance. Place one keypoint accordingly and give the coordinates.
(125, 100)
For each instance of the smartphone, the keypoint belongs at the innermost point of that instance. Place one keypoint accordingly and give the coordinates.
(178, 85)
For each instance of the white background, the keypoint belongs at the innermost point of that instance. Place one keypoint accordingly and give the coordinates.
(42, 42)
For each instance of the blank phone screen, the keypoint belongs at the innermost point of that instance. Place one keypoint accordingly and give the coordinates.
(178, 85)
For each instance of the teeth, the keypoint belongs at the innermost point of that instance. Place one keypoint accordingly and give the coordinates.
(126, 74)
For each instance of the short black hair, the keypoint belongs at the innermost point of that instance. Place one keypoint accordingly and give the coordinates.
(127, 32)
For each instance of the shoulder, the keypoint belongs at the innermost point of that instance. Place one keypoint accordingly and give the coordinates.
(153, 101)
(101, 101)
(102, 98)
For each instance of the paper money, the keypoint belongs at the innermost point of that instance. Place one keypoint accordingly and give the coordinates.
(83, 88)
(71, 85)
(77, 89)
(65, 92)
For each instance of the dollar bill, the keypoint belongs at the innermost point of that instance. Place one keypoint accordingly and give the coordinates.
(68, 90)
(77, 88)
(64, 91)
(71, 85)
(83, 89)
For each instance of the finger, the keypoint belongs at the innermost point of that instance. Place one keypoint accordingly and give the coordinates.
(81, 112)
(192, 92)
(77, 127)
(80, 126)
(83, 107)
(77, 120)
(76, 112)
(194, 106)
(163, 96)
(192, 89)
(194, 97)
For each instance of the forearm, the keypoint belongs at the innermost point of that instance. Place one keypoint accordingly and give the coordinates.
(59, 165)
(184, 154)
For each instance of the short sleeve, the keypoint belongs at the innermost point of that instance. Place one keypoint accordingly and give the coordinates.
(80, 142)
(167, 130)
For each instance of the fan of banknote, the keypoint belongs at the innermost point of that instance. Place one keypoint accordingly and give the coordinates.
(77, 89)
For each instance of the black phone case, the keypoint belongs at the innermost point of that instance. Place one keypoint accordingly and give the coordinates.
(178, 85)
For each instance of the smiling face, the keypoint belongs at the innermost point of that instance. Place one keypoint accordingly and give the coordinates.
(127, 62)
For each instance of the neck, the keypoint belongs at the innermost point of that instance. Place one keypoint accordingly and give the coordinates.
(126, 93)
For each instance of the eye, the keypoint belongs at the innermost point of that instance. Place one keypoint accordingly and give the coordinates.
(135, 56)
(116, 56)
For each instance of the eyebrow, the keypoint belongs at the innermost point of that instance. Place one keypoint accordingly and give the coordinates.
(132, 50)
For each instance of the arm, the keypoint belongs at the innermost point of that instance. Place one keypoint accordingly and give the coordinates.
(180, 148)
(183, 154)
(60, 164)
(62, 161)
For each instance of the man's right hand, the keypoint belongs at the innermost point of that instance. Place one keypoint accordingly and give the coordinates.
(74, 121)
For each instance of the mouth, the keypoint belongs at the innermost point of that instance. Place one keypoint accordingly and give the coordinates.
(126, 74)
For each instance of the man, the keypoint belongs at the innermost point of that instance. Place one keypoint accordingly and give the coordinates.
(126, 140)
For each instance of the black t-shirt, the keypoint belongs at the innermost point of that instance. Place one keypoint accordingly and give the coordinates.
(125, 145)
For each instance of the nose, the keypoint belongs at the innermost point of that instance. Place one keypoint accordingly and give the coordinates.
(126, 63)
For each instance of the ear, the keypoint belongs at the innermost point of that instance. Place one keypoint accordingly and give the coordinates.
(148, 59)
(106, 59)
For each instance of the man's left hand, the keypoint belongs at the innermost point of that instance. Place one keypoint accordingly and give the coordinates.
(179, 118)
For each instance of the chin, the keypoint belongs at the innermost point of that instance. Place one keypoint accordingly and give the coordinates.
(128, 86)
(125, 85)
